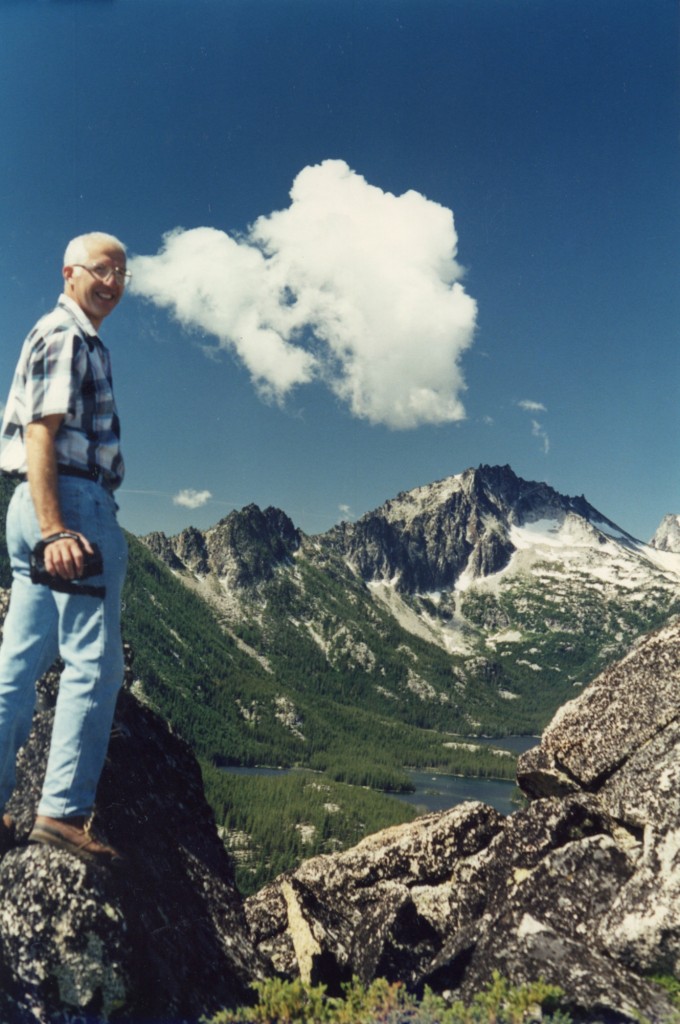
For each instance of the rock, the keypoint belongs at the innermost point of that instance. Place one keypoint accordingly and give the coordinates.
(667, 536)
(242, 550)
(550, 879)
(621, 739)
(610, 725)
(164, 939)
(580, 889)
(64, 938)
(380, 909)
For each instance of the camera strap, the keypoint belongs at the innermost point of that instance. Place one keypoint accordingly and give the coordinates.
(62, 535)
(72, 587)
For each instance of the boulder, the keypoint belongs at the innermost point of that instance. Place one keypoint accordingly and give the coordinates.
(619, 736)
(165, 938)
(380, 909)
(580, 889)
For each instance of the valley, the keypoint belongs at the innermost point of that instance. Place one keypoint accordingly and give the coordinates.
(471, 608)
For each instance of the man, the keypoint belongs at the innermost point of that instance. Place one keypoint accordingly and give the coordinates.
(61, 437)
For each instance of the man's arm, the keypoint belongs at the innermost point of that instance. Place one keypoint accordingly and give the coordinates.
(63, 557)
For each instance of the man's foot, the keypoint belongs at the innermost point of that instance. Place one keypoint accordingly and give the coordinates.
(75, 836)
(7, 834)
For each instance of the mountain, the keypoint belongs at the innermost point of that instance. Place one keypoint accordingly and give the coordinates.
(469, 608)
(474, 605)
(667, 536)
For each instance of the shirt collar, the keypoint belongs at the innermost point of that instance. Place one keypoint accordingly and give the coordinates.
(79, 316)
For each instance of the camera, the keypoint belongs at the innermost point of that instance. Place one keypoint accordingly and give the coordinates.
(93, 564)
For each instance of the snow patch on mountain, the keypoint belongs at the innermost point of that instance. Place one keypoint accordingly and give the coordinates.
(666, 560)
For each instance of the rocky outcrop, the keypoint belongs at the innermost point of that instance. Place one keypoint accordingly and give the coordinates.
(621, 741)
(424, 540)
(581, 888)
(163, 939)
(242, 550)
(667, 536)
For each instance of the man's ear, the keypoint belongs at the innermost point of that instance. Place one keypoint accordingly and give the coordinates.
(67, 273)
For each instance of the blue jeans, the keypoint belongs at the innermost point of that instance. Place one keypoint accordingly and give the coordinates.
(84, 630)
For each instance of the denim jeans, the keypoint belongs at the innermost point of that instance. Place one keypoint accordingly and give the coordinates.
(84, 630)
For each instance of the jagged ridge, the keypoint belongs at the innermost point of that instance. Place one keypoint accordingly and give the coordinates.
(525, 592)
(429, 538)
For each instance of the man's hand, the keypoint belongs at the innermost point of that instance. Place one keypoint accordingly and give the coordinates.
(65, 557)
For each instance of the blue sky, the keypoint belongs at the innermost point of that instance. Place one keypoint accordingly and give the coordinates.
(436, 233)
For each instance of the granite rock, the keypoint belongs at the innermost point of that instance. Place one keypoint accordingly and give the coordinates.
(581, 888)
(162, 939)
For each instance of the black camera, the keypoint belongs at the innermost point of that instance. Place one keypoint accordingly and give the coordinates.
(93, 564)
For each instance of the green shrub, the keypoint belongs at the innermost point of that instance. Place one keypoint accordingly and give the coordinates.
(383, 1002)
(671, 986)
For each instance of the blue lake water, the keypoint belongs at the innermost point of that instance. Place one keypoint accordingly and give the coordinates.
(440, 792)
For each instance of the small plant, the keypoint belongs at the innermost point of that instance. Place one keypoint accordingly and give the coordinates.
(671, 985)
(383, 1002)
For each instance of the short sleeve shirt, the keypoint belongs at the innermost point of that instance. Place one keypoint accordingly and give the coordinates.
(64, 369)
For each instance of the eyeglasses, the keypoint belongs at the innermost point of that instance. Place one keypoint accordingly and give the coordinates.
(103, 272)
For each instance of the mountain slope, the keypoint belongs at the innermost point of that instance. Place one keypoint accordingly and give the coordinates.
(318, 644)
(473, 605)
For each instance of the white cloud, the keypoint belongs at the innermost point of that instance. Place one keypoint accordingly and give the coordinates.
(349, 285)
(538, 431)
(190, 498)
(529, 406)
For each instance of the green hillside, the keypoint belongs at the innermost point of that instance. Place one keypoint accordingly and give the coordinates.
(294, 710)
(298, 711)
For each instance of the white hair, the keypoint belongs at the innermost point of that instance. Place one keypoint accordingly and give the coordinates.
(78, 249)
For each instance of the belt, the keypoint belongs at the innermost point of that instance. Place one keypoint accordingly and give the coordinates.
(96, 475)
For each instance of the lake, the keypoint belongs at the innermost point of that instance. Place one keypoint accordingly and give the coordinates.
(439, 792)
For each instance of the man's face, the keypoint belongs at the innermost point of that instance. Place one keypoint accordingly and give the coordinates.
(94, 286)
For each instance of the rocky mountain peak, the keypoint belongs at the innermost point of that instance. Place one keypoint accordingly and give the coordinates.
(429, 538)
(667, 536)
(243, 549)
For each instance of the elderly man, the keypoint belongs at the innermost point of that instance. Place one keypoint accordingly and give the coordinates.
(61, 438)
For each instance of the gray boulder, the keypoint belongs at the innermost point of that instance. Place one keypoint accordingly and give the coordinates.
(621, 740)
(165, 939)
(380, 909)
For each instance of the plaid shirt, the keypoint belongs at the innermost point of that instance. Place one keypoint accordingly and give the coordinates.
(65, 370)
